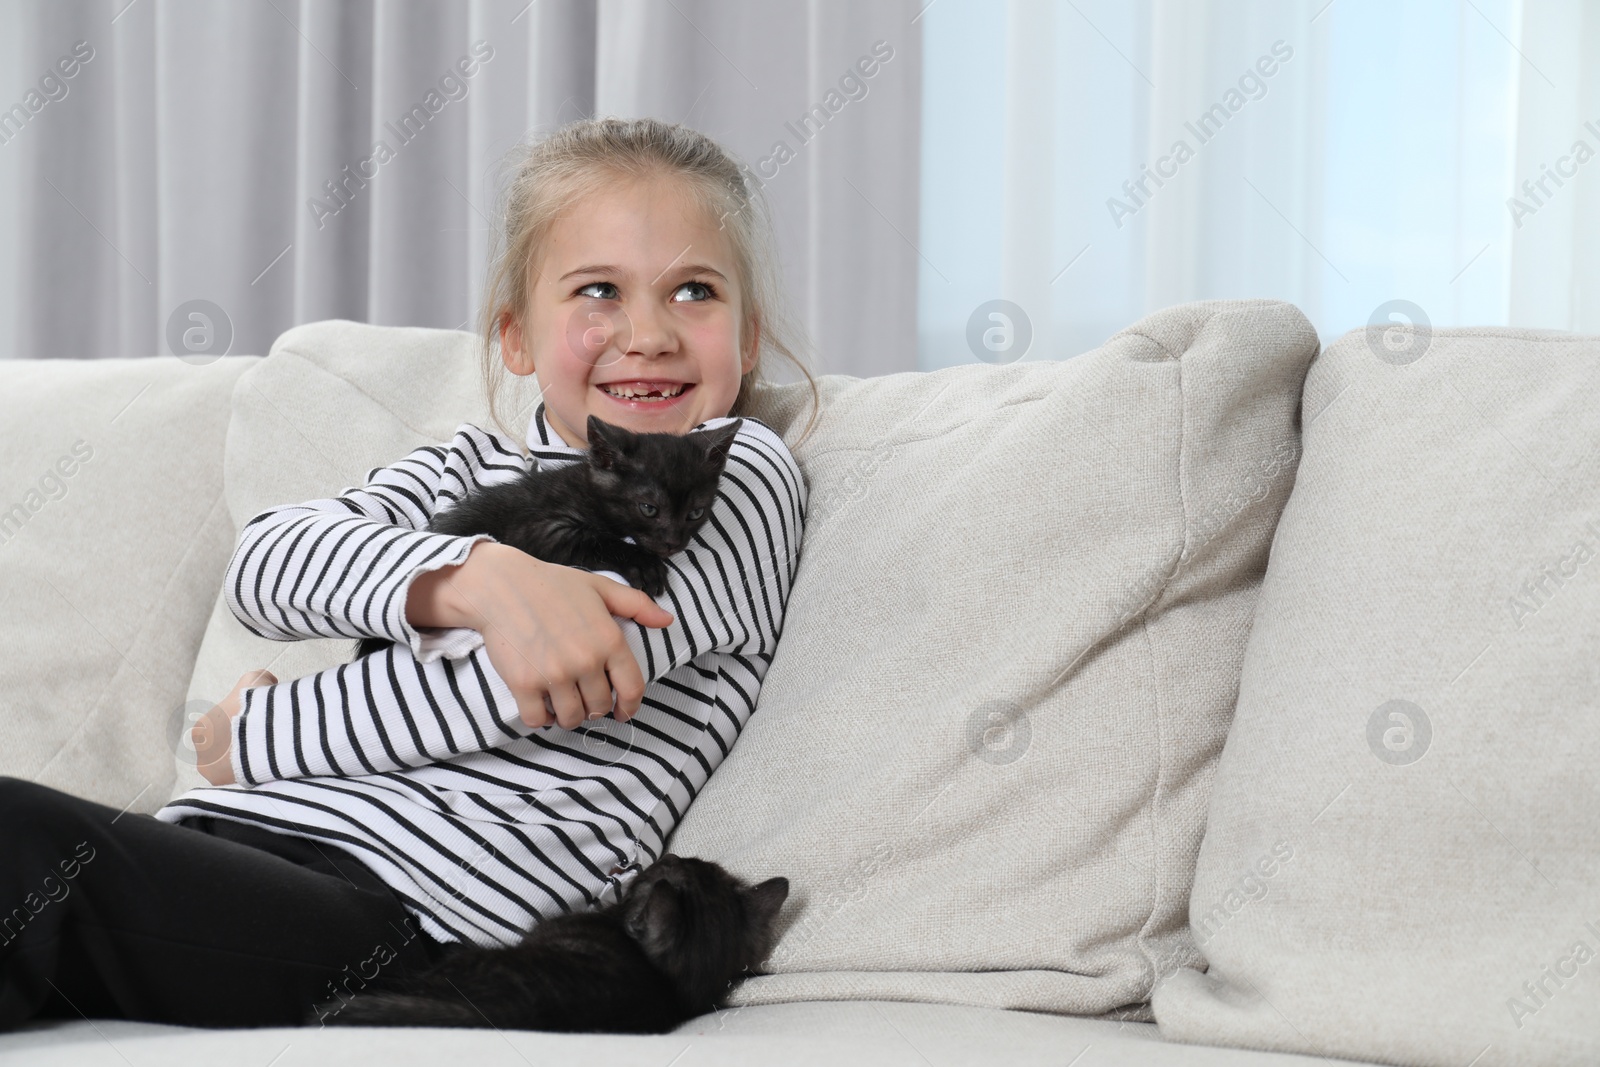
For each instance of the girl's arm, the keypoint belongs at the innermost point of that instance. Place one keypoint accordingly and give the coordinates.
(726, 591)
(342, 566)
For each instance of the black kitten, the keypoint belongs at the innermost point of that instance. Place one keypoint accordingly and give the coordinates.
(684, 931)
(657, 488)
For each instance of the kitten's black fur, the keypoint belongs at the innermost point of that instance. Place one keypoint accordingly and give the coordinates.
(683, 933)
(657, 488)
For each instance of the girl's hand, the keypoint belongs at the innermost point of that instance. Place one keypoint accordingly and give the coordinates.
(212, 733)
(549, 632)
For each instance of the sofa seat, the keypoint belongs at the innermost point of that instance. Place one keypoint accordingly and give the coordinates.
(838, 1033)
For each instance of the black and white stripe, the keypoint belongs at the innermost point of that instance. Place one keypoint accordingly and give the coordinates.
(419, 763)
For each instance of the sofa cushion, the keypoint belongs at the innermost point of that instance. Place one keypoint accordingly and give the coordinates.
(983, 749)
(331, 401)
(856, 1034)
(113, 540)
(1401, 858)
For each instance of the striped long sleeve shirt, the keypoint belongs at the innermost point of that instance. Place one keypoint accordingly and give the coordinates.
(415, 758)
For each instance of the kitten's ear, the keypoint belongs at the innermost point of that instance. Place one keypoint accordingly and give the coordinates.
(720, 440)
(603, 449)
(652, 924)
(763, 901)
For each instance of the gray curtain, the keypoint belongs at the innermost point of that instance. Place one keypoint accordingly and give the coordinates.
(223, 151)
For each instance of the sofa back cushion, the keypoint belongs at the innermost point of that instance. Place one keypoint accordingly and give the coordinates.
(1401, 860)
(331, 401)
(113, 542)
(984, 747)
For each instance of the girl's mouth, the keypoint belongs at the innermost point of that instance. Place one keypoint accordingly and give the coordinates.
(646, 395)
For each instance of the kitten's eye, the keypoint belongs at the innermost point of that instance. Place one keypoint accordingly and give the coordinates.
(649, 510)
(696, 287)
(694, 516)
(598, 285)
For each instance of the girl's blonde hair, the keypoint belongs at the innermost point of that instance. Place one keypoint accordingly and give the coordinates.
(549, 175)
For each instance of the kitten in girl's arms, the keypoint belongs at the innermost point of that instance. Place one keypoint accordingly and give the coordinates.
(656, 488)
(683, 932)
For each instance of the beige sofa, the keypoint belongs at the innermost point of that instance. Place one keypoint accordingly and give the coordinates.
(1100, 728)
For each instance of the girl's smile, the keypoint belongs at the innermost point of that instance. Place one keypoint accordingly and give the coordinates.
(642, 395)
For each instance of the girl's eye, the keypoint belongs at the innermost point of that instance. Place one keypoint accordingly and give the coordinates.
(694, 516)
(649, 510)
(697, 287)
(611, 295)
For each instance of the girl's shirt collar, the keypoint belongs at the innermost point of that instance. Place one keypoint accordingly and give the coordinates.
(544, 443)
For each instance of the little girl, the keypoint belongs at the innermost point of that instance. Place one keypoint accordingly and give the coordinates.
(536, 732)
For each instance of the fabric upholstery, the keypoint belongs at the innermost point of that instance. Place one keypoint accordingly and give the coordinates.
(1418, 723)
(113, 541)
(333, 400)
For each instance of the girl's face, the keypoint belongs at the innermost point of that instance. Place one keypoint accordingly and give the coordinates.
(635, 290)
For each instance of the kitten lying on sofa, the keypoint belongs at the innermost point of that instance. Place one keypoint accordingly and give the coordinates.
(684, 931)
(657, 488)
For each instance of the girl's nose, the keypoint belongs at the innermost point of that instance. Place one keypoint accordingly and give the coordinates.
(652, 331)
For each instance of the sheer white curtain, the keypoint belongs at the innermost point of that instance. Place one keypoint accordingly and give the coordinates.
(1340, 155)
(226, 151)
(1555, 265)
(1018, 150)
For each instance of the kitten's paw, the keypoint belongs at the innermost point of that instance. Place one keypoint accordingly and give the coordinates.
(649, 574)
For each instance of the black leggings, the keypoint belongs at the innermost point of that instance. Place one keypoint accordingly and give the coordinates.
(203, 923)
